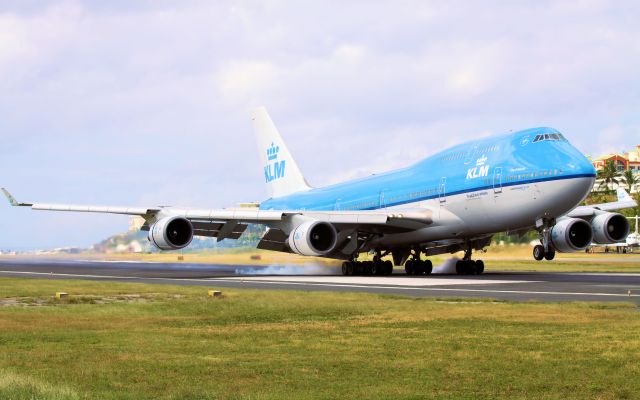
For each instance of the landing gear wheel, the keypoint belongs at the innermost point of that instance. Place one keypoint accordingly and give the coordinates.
(428, 267)
(367, 268)
(551, 254)
(418, 267)
(379, 268)
(461, 267)
(348, 268)
(466, 267)
(388, 268)
(479, 267)
(538, 252)
(357, 268)
(471, 268)
(408, 267)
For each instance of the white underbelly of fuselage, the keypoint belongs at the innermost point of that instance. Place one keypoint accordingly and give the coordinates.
(488, 211)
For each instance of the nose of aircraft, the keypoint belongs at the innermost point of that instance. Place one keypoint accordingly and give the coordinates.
(582, 168)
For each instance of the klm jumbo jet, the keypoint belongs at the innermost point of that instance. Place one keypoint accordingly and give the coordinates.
(453, 201)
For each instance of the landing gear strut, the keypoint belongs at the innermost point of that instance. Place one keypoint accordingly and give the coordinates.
(416, 266)
(467, 266)
(546, 249)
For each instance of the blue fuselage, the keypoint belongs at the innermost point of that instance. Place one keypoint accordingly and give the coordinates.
(524, 158)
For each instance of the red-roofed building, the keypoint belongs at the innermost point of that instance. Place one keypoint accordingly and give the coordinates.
(629, 160)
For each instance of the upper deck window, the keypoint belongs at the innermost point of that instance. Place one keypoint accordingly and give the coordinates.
(549, 136)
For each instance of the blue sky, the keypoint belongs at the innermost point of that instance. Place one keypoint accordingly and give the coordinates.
(146, 103)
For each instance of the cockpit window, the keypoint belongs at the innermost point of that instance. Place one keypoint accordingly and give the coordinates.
(549, 136)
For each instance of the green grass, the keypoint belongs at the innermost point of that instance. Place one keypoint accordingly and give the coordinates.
(135, 341)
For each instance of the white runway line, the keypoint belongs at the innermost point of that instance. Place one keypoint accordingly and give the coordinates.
(430, 288)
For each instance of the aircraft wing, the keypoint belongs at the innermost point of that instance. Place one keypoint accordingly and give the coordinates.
(211, 222)
(624, 201)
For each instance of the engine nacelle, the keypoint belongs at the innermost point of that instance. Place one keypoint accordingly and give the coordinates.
(609, 228)
(171, 233)
(313, 238)
(571, 234)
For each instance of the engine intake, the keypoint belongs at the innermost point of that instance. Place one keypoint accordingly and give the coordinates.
(313, 238)
(609, 228)
(171, 233)
(571, 235)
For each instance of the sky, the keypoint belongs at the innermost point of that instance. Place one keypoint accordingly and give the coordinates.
(147, 103)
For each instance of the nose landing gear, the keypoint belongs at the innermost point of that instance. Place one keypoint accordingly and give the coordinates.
(545, 250)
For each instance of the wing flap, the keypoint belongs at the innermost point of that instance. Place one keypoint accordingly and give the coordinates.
(274, 240)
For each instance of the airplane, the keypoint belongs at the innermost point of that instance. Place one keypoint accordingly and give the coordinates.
(455, 200)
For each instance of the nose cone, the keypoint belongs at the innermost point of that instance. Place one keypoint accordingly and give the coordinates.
(581, 170)
(585, 167)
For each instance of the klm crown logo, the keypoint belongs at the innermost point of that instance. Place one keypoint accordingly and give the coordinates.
(272, 152)
(274, 168)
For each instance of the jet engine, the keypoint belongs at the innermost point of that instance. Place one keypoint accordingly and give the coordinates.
(313, 238)
(609, 228)
(571, 234)
(171, 233)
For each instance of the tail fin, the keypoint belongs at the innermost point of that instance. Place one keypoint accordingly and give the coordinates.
(281, 172)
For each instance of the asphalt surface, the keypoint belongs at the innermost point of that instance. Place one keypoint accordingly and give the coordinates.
(515, 286)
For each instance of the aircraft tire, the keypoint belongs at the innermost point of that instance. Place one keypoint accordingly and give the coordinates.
(350, 268)
(479, 267)
(465, 267)
(345, 267)
(367, 267)
(408, 267)
(357, 268)
(551, 254)
(418, 267)
(472, 269)
(460, 267)
(377, 268)
(428, 267)
(538, 252)
(388, 268)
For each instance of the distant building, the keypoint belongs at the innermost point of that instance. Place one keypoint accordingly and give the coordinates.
(626, 161)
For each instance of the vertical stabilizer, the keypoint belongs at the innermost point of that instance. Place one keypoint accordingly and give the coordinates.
(281, 172)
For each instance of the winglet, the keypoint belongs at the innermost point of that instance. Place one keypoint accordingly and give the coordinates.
(12, 200)
(623, 195)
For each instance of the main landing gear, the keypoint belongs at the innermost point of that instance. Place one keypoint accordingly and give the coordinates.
(367, 268)
(416, 266)
(545, 250)
(467, 266)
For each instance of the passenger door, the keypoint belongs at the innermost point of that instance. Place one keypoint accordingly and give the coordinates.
(442, 191)
(497, 181)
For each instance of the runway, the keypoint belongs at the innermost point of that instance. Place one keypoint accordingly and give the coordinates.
(514, 286)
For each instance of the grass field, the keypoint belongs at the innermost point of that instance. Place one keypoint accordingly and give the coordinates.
(135, 341)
